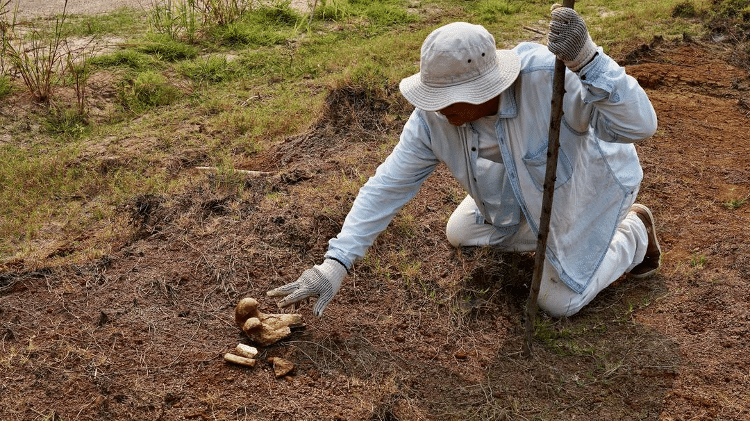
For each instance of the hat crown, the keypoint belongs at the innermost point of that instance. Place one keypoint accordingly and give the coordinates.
(457, 53)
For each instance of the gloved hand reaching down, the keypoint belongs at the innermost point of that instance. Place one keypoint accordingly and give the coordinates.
(322, 281)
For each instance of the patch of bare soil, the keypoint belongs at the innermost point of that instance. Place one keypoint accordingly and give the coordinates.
(140, 334)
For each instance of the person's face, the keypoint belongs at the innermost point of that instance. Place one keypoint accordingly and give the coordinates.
(462, 112)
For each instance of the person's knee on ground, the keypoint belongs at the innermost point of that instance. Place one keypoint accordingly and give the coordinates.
(462, 228)
(454, 233)
(559, 305)
(557, 299)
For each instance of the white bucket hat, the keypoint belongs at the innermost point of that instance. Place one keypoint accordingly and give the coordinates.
(460, 63)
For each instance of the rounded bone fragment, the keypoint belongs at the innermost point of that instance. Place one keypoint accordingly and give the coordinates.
(245, 309)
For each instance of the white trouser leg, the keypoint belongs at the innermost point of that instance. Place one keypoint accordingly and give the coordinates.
(627, 249)
(466, 227)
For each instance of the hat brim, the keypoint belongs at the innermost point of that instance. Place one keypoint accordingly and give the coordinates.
(478, 91)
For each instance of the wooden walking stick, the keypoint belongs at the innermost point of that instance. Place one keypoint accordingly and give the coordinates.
(558, 91)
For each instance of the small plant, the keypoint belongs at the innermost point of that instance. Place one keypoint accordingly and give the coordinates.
(223, 12)
(175, 18)
(244, 34)
(731, 8)
(697, 261)
(383, 13)
(37, 55)
(4, 32)
(410, 271)
(279, 14)
(564, 339)
(79, 71)
(266, 26)
(733, 204)
(182, 18)
(386, 14)
(333, 10)
(494, 11)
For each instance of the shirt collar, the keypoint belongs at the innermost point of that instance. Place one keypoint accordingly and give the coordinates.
(508, 107)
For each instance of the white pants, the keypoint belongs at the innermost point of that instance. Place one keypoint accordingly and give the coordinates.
(627, 249)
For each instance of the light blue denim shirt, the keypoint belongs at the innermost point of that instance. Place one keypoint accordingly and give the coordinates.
(598, 172)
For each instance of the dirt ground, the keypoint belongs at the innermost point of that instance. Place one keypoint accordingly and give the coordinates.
(140, 334)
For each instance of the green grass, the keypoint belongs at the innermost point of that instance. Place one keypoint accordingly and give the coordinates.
(128, 58)
(497, 11)
(616, 26)
(247, 83)
(210, 70)
(118, 23)
(381, 13)
(6, 86)
(165, 48)
(148, 89)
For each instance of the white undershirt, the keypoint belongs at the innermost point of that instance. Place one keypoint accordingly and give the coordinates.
(489, 147)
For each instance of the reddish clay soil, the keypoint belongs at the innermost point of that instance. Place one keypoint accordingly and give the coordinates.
(140, 334)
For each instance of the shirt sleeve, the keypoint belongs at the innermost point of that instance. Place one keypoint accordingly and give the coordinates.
(396, 181)
(606, 99)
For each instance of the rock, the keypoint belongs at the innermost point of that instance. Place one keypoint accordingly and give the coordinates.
(281, 367)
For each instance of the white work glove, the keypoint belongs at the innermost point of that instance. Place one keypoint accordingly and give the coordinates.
(322, 281)
(569, 39)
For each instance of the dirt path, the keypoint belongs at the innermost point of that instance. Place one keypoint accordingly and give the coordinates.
(37, 8)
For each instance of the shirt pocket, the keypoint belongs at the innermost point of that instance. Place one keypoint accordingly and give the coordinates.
(536, 164)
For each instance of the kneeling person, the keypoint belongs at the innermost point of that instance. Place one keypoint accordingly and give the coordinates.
(485, 113)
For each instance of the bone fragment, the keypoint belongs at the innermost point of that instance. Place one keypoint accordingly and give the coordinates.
(236, 359)
(264, 329)
(246, 351)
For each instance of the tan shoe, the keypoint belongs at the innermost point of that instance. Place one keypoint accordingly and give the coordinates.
(652, 260)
